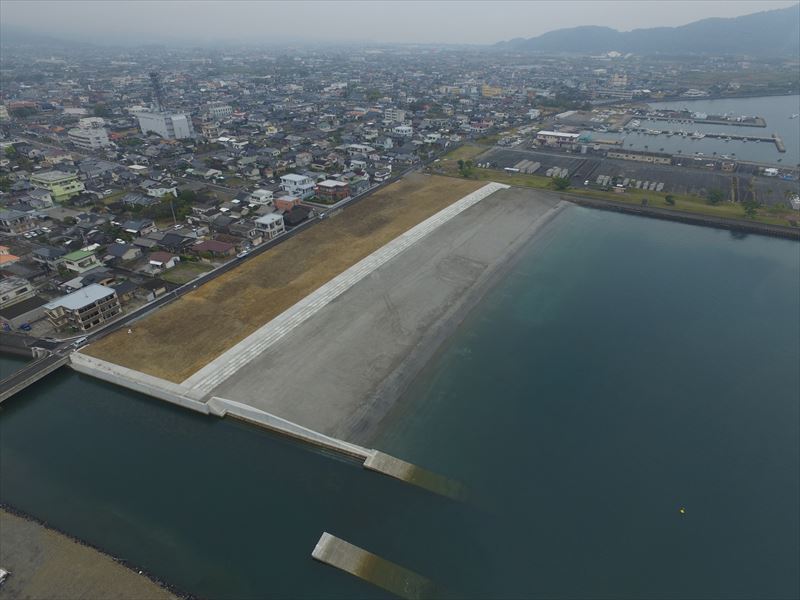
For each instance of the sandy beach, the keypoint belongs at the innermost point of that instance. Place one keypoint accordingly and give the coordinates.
(342, 371)
(46, 564)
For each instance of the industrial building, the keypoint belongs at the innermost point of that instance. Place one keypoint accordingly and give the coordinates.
(657, 158)
(556, 138)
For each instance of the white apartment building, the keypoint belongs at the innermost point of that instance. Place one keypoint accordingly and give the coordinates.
(85, 309)
(396, 115)
(297, 185)
(170, 126)
(403, 130)
(89, 138)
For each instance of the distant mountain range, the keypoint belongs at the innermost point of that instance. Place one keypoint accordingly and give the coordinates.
(773, 33)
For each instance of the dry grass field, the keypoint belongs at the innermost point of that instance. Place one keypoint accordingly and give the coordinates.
(182, 337)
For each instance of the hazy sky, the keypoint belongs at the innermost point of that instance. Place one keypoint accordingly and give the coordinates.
(390, 21)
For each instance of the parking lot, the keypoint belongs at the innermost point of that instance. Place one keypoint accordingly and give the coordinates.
(684, 179)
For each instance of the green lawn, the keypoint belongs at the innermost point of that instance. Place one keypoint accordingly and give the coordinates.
(185, 272)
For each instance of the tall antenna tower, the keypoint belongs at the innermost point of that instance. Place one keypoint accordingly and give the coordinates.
(158, 93)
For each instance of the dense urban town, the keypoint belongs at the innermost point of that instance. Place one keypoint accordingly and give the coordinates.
(427, 300)
(127, 176)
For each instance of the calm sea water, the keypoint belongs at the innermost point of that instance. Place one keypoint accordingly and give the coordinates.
(776, 110)
(625, 369)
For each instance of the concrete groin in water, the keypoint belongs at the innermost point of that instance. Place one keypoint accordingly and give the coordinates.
(378, 571)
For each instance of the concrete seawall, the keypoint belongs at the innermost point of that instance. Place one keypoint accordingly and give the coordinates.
(137, 381)
(179, 395)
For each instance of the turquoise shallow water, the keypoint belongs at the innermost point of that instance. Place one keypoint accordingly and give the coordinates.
(624, 369)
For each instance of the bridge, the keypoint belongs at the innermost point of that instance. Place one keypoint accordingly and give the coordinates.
(30, 374)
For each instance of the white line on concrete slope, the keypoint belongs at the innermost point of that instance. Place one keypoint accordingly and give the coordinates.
(226, 364)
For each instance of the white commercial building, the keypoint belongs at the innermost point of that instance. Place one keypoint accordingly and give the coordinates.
(556, 138)
(170, 126)
(218, 110)
(89, 138)
(297, 185)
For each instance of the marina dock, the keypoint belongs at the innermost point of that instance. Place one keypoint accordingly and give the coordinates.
(372, 568)
(756, 122)
(772, 139)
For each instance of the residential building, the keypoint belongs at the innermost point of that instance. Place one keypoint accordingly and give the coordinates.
(403, 130)
(20, 313)
(209, 130)
(297, 185)
(80, 261)
(331, 191)
(487, 91)
(170, 126)
(15, 221)
(156, 189)
(15, 289)
(84, 309)
(62, 186)
(261, 197)
(6, 258)
(284, 203)
(270, 225)
(395, 115)
(49, 256)
(214, 248)
(122, 252)
(163, 260)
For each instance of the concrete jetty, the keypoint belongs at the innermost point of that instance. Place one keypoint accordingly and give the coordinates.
(378, 571)
(779, 142)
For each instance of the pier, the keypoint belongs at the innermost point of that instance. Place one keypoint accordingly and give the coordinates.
(372, 568)
(30, 374)
(772, 139)
(756, 122)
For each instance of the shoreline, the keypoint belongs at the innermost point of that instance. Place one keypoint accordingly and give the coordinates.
(341, 371)
(778, 231)
(388, 397)
(100, 554)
